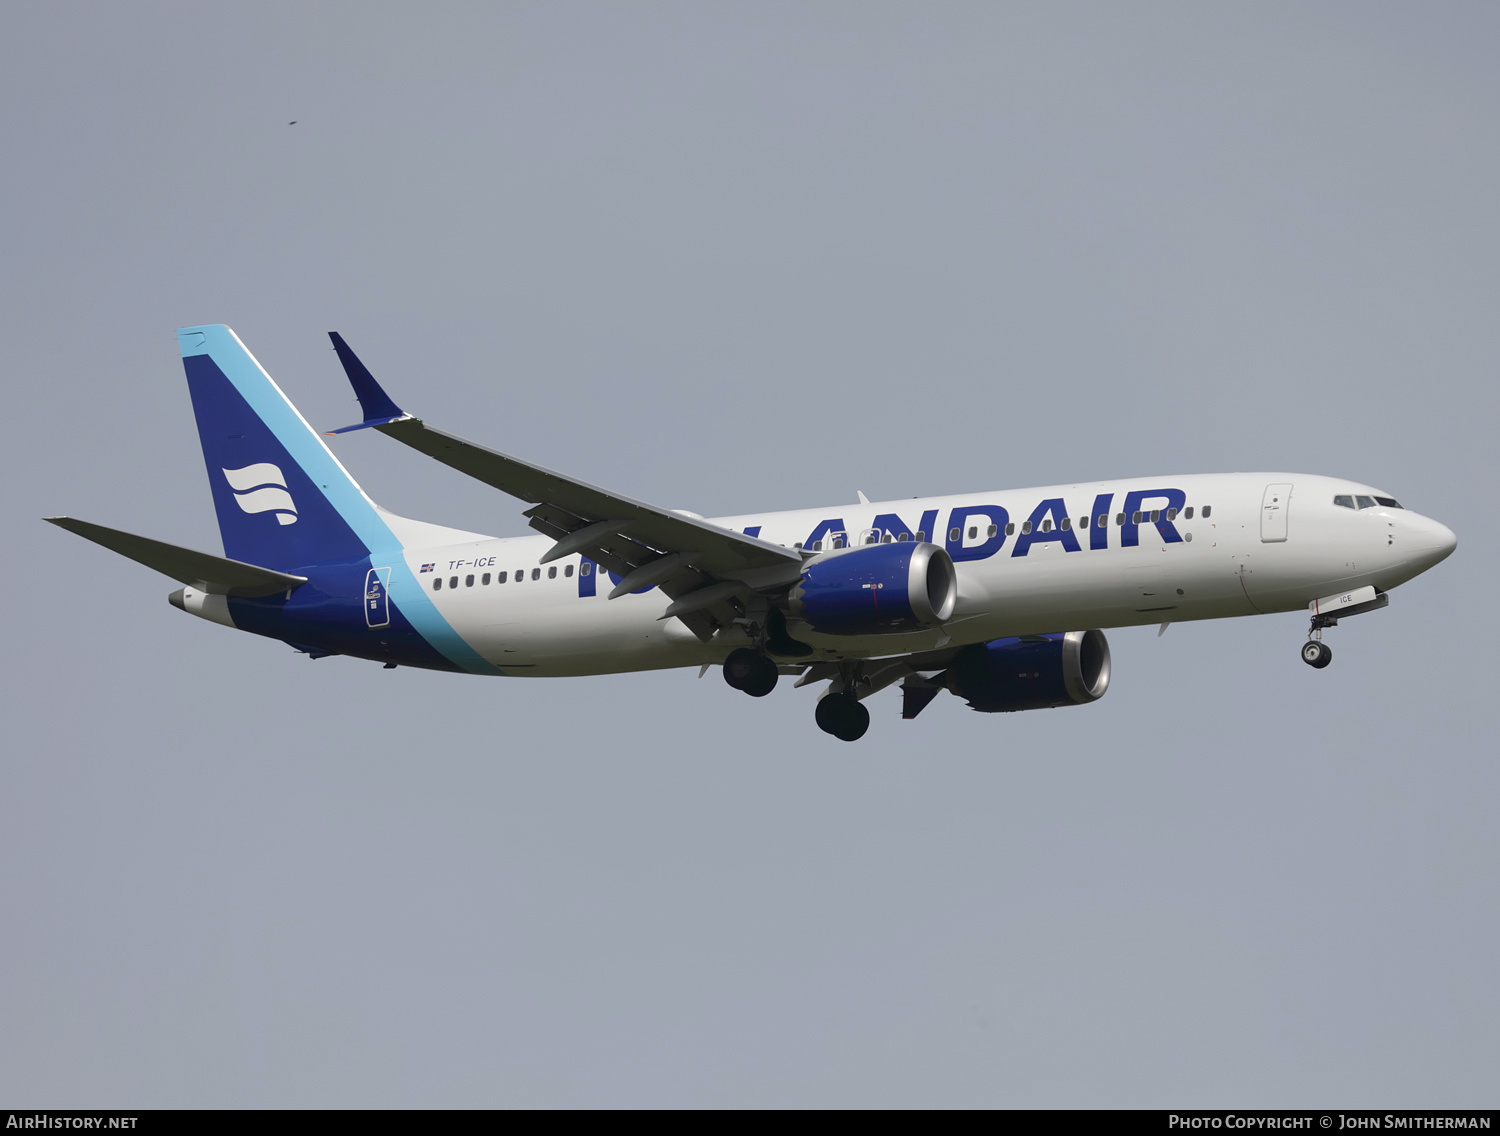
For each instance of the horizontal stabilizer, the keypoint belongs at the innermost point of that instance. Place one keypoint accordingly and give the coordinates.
(212, 574)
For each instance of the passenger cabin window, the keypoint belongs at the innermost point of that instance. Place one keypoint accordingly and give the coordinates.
(886, 539)
(536, 573)
(1047, 525)
(469, 580)
(453, 581)
(552, 572)
(1188, 512)
(485, 580)
(1208, 511)
(1010, 529)
(1065, 524)
(1388, 502)
(954, 536)
(568, 571)
(1344, 501)
(1365, 502)
(1119, 518)
(1026, 527)
(587, 569)
(500, 577)
(437, 584)
(1083, 522)
(520, 574)
(1135, 517)
(903, 536)
(921, 535)
(1104, 520)
(1155, 516)
(1172, 514)
(993, 529)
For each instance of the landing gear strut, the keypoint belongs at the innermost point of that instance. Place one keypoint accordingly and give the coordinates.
(843, 716)
(750, 671)
(1316, 653)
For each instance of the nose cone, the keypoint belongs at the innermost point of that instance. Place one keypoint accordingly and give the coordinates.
(1428, 542)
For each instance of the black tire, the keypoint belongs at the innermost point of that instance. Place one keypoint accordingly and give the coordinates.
(1317, 655)
(843, 717)
(765, 681)
(741, 667)
(751, 672)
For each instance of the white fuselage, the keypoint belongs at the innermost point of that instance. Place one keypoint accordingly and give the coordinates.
(1270, 542)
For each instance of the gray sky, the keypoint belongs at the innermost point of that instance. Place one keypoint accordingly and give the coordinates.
(733, 257)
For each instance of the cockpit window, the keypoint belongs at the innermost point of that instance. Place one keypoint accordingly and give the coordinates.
(1365, 502)
(1345, 500)
(1388, 502)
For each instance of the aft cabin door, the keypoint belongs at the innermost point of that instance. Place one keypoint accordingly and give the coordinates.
(1273, 513)
(377, 604)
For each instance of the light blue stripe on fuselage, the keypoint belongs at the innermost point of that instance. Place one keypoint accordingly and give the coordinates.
(307, 449)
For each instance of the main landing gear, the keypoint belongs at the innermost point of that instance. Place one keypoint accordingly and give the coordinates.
(749, 670)
(754, 672)
(843, 716)
(839, 713)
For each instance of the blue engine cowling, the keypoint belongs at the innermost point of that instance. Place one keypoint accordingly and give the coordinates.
(876, 588)
(1032, 673)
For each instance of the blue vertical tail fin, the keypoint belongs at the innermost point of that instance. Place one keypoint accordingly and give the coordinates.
(282, 498)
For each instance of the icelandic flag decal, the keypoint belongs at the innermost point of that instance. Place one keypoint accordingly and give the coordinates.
(428, 567)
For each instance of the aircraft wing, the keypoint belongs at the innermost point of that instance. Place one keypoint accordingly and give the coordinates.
(215, 575)
(704, 568)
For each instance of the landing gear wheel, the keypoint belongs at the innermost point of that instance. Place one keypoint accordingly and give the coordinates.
(751, 672)
(843, 717)
(1316, 654)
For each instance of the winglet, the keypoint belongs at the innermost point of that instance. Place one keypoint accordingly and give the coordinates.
(377, 405)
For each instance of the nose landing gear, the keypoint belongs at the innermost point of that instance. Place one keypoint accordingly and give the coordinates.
(1327, 612)
(1316, 653)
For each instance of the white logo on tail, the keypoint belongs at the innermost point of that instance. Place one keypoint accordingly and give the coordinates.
(260, 488)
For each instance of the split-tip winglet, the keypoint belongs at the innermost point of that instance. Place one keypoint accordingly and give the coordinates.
(380, 409)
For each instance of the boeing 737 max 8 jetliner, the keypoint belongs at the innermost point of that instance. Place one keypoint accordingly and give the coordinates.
(995, 596)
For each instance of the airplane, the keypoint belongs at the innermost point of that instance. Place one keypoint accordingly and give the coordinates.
(997, 597)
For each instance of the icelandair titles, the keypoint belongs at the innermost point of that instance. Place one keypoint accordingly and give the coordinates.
(1049, 522)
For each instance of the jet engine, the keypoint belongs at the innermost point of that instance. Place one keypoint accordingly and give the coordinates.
(876, 588)
(1033, 672)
